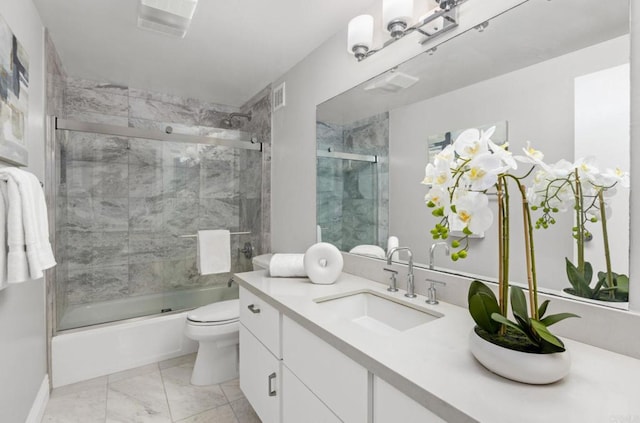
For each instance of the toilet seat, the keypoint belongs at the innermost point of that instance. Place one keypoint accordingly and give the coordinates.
(220, 313)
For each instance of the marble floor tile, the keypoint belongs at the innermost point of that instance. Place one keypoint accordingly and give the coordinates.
(232, 390)
(187, 400)
(244, 412)
(83, 402)
(222, 414)
(138, 399)
(138, 371)
(183, 359)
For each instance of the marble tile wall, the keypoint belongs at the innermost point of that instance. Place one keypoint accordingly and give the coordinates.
(127, 201)
(353, 197)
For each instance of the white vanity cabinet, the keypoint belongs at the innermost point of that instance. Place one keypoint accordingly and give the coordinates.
(260, 364)
(391, 405)
(338, 381)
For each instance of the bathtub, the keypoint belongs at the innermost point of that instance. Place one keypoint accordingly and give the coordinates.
(94, 351)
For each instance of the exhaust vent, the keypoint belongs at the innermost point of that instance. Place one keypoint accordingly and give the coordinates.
(392, 83)
(279, 100)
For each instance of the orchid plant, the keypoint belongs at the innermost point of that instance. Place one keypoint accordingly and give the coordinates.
(582, 187)
(459, 178)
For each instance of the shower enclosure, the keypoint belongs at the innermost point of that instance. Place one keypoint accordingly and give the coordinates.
(352, 193)
(128, 204)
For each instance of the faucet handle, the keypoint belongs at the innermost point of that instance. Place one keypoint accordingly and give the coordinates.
(431, 292)
(393, 281)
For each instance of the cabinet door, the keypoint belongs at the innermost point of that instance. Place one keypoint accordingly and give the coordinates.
(300, 405)
(392, 406)
(260, 377)
(339, 382)
(261, 319)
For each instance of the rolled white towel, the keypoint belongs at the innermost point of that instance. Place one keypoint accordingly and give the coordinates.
(393, 242)
(369, 251)
(287, 266)
(323, 263)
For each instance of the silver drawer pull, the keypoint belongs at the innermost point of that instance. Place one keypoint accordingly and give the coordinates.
(272, 392)
(254, 308)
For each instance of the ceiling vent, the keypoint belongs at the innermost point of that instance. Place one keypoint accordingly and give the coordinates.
(169, 17)
(392, 83)
(279, 100)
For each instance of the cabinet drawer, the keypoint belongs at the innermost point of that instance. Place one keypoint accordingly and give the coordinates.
(260, 377)
(338, 381)
(300, 405)
(261, 319)
(391, 405)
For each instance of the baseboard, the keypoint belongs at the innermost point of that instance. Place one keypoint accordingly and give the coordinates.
(39, 403)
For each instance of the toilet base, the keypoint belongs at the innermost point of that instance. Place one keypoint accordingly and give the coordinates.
(215, 364)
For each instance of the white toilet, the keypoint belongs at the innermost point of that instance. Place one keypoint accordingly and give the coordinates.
(216, 327)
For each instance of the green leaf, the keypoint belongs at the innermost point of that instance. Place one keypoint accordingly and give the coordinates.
(555, 318)
(580, 287)
(622, 282)
(453, 208)
(519, 303)
(503, 320)
(476, 287)
(543, 308)
(481, 308)
(588, 273)
(547, 336)
(467, 231)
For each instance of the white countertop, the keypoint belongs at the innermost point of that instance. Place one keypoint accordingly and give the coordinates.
(432, 364)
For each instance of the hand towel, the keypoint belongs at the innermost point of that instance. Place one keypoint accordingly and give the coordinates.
(17, 265)
(323, 263)
(369, 251)
(214, 251)
(287, 266)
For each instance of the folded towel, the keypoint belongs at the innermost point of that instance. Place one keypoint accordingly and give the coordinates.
(369, 251)
(214, 251)
(287, 266)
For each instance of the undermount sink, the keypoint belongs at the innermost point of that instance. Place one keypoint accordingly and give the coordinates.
(375, 312)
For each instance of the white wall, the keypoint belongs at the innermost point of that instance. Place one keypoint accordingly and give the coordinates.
(538, 103)
(22, 306)
(634, 264)
(326, 72)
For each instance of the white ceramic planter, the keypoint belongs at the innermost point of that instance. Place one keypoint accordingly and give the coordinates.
(535, 369)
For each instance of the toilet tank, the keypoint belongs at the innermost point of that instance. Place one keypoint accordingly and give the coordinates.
(261, 262)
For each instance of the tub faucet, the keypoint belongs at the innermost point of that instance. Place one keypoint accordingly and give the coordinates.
(432, 250)
(410, 285)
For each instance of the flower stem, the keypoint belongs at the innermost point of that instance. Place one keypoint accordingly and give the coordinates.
(579, 223)
(605, 239)
(529, 254)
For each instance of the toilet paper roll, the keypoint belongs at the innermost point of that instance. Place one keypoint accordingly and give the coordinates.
(287, 266)
(323, 263)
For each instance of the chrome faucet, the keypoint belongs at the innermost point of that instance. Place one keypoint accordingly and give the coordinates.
(410, 284)
(432, 250)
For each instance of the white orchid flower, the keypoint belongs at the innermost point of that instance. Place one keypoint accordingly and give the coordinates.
(439, 197)
(438, 174)
(472, 212)
(532, 156)
(473, 142)
(504, 155)
(613, 176)
(588, 169)
(482, 172)
(447, 155)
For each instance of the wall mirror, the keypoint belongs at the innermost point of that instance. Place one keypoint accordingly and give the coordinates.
(555, 73)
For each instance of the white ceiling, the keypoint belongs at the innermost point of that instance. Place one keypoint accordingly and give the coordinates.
(233, 49)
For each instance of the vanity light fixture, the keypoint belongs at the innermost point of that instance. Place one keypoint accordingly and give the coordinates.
(169, 17)
(397, 16)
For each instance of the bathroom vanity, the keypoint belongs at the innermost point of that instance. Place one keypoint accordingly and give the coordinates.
(354, 352)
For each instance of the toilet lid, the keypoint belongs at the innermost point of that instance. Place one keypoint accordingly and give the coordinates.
(216, 312)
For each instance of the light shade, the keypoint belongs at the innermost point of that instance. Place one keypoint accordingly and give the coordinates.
(396, 11)
(360, 34)
(171, 17)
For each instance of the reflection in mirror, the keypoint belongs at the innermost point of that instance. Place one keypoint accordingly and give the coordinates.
(564, 88)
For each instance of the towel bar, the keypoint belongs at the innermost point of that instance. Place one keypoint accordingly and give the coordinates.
(232, 233)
